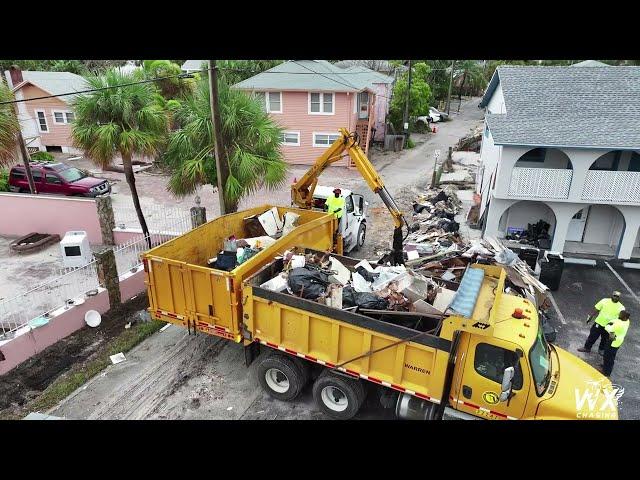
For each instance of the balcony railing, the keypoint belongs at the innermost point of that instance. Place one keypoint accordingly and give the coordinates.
(540, 182)
(605, 186)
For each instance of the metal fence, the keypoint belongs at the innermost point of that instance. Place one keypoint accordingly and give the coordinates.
(159, 218)
(36, 304)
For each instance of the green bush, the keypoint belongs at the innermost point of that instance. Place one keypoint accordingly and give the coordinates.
(42, 157)
(410, 143)
(4, 180)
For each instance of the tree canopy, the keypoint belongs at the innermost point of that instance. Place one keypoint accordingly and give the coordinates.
(420, 94)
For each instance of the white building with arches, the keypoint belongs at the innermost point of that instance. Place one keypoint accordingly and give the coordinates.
(562, 144)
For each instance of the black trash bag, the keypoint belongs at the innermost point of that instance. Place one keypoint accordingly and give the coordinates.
(452, 227)
(366, 274)
(417, 208)
(439, 197)
(308, 283)
(351, 298)
(445, 214)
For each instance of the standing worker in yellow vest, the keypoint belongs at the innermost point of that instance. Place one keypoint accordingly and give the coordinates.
(617, 331)
(335, 205)
(607, 310)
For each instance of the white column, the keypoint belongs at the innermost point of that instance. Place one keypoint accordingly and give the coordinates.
(496, 208)
(632, 224)
(563, 213)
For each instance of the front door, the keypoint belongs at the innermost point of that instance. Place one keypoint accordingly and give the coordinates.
(575, 232)
(478, 377)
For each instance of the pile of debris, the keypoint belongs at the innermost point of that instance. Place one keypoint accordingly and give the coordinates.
(471, 141)
(263, 231)
(536, 234)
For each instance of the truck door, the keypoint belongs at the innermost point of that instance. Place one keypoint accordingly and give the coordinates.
(348, 221)
(478, 377)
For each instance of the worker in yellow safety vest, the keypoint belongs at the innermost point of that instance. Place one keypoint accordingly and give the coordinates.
(617, 331)
(335, 204)
(607, 310)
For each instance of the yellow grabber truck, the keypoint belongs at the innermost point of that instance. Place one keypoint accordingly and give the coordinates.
(481, 363)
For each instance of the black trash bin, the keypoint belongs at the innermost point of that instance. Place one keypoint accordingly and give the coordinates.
(551, 268)
(530, 256)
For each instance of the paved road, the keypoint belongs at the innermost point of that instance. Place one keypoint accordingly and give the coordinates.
(582, 286)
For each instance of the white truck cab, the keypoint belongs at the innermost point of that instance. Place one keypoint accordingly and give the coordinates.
(353, 224)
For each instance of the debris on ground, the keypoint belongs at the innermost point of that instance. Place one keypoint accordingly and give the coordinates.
(117, 358)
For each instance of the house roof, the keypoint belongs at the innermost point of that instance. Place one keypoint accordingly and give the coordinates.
(53, 83)
(192, 65)
(305, 75)
(590, 63)
(596, 107)
(383, 65)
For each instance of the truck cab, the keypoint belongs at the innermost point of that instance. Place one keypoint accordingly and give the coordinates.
(353, 224)
(505, 368)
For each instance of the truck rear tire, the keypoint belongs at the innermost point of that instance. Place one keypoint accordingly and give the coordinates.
(281, 377)
(362, 233)
(337, 396)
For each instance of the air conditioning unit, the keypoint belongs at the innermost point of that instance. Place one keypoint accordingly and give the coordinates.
(76, 251)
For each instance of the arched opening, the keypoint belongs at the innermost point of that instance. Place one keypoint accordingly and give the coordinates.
(595, 229)
(617, 161)
(541, 173)
(544, 158)
(528, 223)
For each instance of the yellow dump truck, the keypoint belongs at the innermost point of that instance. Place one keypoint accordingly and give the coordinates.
(485, 364)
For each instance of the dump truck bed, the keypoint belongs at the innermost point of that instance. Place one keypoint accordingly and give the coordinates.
(405, 359)
(185, 291)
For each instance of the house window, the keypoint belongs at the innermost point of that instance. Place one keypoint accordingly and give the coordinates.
(290, 138)
(490, 362)
(363, 105)
(63, 118)
(321, 103)
(271, 101)
(324, 139)
(536, 155)
(42, 121)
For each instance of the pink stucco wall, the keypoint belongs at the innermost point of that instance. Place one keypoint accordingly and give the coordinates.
(58, 134)
(381, 108)
(23, 347)
(21, 214)
(295, 117)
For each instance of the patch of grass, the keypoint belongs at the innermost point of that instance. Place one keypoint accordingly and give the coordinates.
(66, 384)
(438, 175)
(4, 180)
(410, 143)
(42, 157)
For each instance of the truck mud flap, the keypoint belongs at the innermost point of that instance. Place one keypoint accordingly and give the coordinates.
(251, 352)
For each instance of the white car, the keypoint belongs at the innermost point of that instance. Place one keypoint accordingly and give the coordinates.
(434, 116)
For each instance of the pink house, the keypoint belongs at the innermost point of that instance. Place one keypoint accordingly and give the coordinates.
(312, 99)
(45, 123)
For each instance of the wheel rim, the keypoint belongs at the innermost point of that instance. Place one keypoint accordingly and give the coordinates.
(277, 380)
(334, 399)
(362, 235)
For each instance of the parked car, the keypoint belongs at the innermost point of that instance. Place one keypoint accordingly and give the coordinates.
(57, 178)
(434, 116)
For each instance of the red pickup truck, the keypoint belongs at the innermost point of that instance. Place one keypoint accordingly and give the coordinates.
(57, 178)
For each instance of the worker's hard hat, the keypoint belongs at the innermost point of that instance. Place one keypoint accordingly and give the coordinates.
(337, 190)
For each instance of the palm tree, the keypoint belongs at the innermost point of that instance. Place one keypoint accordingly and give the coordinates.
(251, 138)
(123, 121)
(470, 71)
(9, 127)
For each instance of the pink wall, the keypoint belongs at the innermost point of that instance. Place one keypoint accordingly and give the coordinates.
(21, 214)
(58, 134)
(381, 108)
(295, 117)
(23, 347)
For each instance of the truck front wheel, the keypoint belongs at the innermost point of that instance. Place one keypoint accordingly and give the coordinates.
(281, 377)
(338, 396)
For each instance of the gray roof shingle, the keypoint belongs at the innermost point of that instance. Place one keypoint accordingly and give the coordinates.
(299, 75)
(56, 83)
(193, 65)
(567, 106)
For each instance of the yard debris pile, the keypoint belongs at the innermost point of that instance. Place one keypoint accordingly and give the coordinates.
(263, 230)
(471, 141)
(536, 234)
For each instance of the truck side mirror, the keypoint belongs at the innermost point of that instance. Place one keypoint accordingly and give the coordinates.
(361, 205)
(507, 383)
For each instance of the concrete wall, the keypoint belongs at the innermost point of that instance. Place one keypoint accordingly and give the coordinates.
(604, 225)
(29, 342)
(21, 214)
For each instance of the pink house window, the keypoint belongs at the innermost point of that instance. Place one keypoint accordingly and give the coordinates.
(363, 105)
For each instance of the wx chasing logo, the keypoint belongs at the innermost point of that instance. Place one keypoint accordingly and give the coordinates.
(598, 401)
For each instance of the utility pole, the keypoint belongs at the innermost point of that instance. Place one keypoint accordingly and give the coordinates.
(222, 166)
(26, 158)
(406, 107)
(450, 85)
